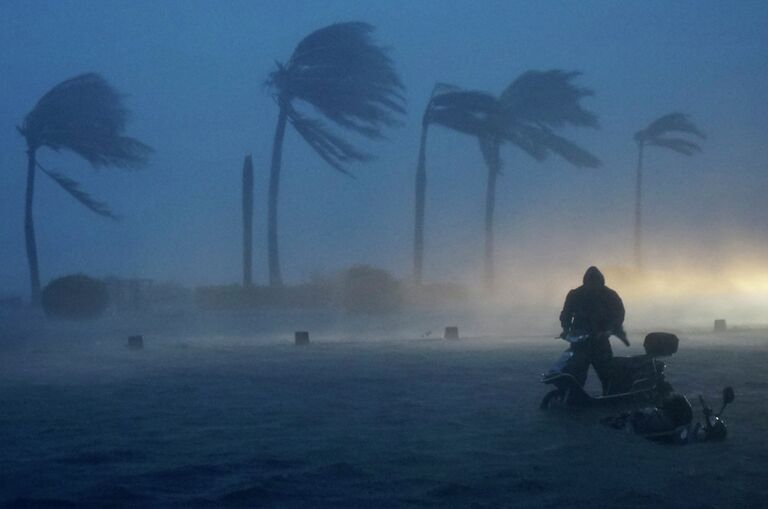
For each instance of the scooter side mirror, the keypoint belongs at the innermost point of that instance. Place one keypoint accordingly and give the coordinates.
(728, 395)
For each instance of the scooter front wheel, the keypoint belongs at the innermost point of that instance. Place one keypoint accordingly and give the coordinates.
(553, 399)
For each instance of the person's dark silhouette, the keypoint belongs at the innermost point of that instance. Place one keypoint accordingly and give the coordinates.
(595, 310)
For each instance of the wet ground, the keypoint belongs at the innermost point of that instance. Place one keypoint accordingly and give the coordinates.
(223, 422)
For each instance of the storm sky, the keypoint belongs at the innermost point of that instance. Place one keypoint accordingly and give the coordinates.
(193, 73)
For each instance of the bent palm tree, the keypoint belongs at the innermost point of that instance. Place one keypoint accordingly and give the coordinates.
(665, 132)
(524, 115)
(85, 115)
(534, 105)
(349, 80)
(247, 221)
(464, 111)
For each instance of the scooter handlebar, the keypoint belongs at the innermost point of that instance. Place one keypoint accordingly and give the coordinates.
(623, 337)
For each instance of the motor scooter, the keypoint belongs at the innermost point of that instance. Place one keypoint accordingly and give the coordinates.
(672, 422)
(635, 379)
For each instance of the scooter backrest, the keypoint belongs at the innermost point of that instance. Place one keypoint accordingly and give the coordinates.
(659, 344)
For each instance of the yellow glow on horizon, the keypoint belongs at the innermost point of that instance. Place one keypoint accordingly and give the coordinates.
(676, 283)
(676, 294)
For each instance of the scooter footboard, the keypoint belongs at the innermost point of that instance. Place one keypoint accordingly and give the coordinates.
(573, 393)
(561, 365)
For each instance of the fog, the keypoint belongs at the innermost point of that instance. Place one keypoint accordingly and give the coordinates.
(194, 77)
(214, 403)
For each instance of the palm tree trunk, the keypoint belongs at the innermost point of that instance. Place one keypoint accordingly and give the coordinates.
(29, 229)
(638, 209)
(421, 189)
(490, 205)
(247, 221)
(275, 277)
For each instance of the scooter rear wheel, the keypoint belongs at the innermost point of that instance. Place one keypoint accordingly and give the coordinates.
(553, 399)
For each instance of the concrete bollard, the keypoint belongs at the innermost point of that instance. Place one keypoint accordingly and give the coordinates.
(301, 338)
(720, 325)
(451, 333)
(136, 342)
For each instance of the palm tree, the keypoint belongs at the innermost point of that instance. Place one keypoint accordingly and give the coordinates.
(667, 132)
(525, 115)
(247, 221)
(464, 111)
(533, 106)
(85, 115)
(349, 80)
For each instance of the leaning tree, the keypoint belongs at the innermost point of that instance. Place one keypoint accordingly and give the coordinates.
(526, 115)
(349, 80)
(84, 115)
(671, 131)
(463, 111)
(534, 106)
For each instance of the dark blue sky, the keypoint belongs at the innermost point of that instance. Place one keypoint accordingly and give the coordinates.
(193, 72)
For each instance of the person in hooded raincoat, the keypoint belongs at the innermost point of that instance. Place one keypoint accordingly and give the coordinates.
(595, 310)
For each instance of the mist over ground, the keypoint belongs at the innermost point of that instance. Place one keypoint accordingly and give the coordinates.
(215, 421)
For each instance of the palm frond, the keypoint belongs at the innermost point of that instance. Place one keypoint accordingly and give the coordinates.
(548, 98)
(348, 78)
(86, 115)
(679, 145)
(73, 188)
(527, 139)
(672, 122)
(467, 111)
(437, 90)
(333, 149)
(540, 141)
(115, 151)
(569, 151)
(444, 88)
(529, 108)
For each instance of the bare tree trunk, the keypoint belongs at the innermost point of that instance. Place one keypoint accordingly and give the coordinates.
(639, 209)
(421, 188)
(490, 206)
(29, 229)
(247, 221)
(491, 150)
(275, 277)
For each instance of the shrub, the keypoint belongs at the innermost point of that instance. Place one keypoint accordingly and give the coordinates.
(75, 297)
(367, 289)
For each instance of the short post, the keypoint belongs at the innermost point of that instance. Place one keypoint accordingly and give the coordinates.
(135, 342)
(451, 333)
(301, 338)
(720, 325)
